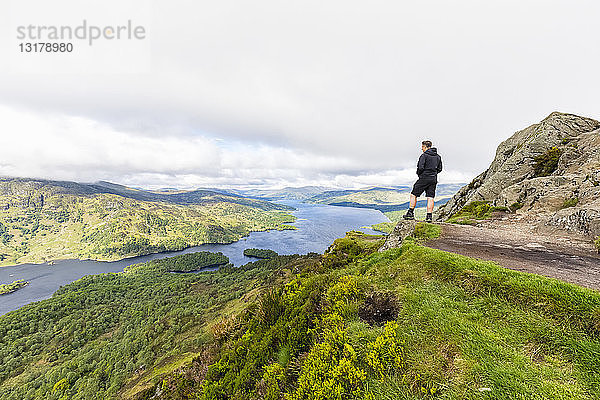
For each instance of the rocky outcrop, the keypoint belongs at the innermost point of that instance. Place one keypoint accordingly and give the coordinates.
(397, 236)
(549, 171)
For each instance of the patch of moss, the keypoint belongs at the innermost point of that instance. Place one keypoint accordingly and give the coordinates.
(424, 231)
(475, 210)
(597, 244)
(547, 163)
(478, 209)
(516, 206)
(572, 202)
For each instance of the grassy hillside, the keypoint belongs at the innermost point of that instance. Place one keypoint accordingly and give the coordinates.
(45, 220)
(406, 323)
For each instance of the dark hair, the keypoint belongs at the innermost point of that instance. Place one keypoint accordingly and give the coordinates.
(427, 143)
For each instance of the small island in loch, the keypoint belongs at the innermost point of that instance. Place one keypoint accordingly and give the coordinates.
(12, 287)
(260, 253)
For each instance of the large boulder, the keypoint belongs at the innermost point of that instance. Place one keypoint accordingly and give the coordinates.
(396, 237)
(549, 172)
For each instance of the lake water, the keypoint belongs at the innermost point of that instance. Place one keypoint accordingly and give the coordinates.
(318, 226)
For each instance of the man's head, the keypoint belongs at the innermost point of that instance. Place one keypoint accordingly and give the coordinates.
(426, 144)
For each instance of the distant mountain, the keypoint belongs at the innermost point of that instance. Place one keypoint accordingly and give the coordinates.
(372, 194)
(548, 174)
(182, 196)
(335, 196)
(287, 193)
(42, 220)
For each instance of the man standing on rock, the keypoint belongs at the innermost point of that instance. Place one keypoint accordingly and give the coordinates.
(428, 167)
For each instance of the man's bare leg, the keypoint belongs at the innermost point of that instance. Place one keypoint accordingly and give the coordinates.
(430, 204)
(429, 217)
(413, 201)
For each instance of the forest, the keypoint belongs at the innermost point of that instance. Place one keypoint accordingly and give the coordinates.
(94, 335)
(192, 262)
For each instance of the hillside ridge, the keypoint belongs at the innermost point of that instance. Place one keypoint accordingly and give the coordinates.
(42, 220)
(547, 173)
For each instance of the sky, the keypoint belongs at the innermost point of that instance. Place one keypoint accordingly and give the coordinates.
(281, 93)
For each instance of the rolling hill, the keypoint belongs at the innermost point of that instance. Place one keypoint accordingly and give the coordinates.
(44, 220)
(384, 199)
(287, 193)
(547, 175)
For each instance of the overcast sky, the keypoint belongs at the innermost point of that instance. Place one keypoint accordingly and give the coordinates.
(225, 93)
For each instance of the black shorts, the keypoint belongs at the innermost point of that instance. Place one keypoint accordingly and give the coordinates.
(426, 185)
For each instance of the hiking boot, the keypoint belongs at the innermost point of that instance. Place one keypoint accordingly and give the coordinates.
(429, 217)
(410, 214)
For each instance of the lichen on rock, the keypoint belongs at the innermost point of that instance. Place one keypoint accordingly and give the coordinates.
(401, 231)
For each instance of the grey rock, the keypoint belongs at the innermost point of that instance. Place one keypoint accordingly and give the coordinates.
(511, 177)
(397, 236)
(579, 220)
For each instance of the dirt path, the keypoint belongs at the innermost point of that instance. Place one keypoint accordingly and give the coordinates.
(515, 246)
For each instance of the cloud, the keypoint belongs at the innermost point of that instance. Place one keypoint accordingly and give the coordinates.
(77, 148)
(337, 91)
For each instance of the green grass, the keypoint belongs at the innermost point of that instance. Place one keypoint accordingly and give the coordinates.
(463, 324)
(572, 202)
(385, 227)
(171, 366)
(472, 324)
(424, 231)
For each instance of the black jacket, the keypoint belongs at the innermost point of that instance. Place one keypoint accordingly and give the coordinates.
(430, 164)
